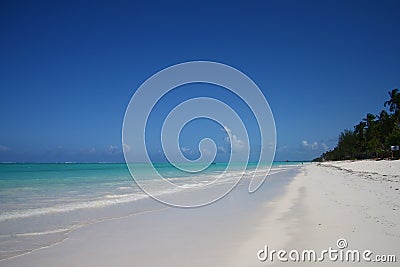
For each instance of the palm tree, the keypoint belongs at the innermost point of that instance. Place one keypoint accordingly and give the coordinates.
(347, 144)
(394, 102)
(370, 123)
(359, 129)
(371, 134)
(360, 132)
(385, 123)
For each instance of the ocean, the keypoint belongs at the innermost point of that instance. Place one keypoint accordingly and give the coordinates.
(41, 203)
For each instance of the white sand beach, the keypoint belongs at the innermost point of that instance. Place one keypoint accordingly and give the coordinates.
(356, 201)
(303, 207)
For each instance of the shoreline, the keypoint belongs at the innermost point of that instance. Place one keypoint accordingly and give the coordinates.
(212, 233)
(303, 207)
(325, 203)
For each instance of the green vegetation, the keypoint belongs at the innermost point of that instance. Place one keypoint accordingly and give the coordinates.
(372, 137)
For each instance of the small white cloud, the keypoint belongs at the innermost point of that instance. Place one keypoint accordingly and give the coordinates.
(221, 149)
(314, 145)
(324, 146)
(237, 144)
(311, 146)
(185, 150)
(4, 148)
(111, 149)
(206, 151)
(126, 147)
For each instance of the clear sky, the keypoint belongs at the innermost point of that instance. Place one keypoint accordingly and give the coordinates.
(69, 68)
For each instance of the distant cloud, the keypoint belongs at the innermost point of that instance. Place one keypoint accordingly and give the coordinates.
(4, 148)
(185, 149)
(126, 147)
(237, 144)
(112, 149)
(222, 149)
(314, 145)
(282, 148)
(206, 151)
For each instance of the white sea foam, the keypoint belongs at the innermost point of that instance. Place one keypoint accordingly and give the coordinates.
(113, 199)
(49, 232)
(124, 188)
(96, 203)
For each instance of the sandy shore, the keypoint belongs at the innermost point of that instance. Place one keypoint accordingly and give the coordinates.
(308, 207)
(356, 201)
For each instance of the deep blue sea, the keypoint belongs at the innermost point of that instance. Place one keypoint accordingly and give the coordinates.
(40, 203)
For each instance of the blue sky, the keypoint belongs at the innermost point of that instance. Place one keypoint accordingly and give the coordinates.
(69, 68)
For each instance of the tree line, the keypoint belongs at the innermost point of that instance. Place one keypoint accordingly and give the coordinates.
(372, 137)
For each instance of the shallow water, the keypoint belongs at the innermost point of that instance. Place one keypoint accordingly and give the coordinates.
(41, 203)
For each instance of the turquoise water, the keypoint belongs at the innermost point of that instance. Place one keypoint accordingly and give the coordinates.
(41, 203)
(27, 186)
(30, 186)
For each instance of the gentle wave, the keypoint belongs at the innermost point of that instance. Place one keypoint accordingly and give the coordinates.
(98, 203)
(124, 188)
(49, 232)
(112, 199)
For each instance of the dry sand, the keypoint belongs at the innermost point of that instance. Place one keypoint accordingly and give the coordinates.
(356, 201)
